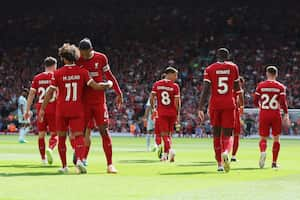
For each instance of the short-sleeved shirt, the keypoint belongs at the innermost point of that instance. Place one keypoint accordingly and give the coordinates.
(97, 66)
(221, 76)
(40, 84)
(270, 96)
(71, 81)
(166, 91)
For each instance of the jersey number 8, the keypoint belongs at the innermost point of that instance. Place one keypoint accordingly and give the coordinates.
(165, 98)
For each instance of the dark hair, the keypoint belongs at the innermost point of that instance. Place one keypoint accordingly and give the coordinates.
(85, 44)
(49, 61)
(163, 75)
(272, 70)
(222, 54)
(170, 70)
(69, 52)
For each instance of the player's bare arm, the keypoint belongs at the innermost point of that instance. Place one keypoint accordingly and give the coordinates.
(119, 99)
(30, 99)
(152, 100)
(178, 107)
(147, 111)
(47, 98)
(203, 99)
(101, 85)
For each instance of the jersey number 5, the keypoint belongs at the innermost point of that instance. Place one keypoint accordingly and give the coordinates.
(222, 85)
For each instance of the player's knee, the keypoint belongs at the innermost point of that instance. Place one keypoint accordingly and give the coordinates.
(42, 134)
(103, 129)
(276, 138)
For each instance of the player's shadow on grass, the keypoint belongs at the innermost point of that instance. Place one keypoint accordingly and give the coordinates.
(29, 174)
(187, 173)
(197, 164)
(28, 166)
(245, 168)
(138, 161)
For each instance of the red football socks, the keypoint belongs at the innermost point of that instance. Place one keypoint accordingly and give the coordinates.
(263, 145)
(52, 142)
(276, 148)
(217, 148)
(86, 151)
(167, 144)
(107, 147)
(226, 143)
(72, 141)
(236, 140)
(79, 147)
(158, 140)
(42, 147)
(62, 149)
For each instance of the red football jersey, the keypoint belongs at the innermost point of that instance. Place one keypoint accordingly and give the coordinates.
(40, 84)
(70, 80)
(97, 67)
(270, 96)
(166, 91)
(221, 76)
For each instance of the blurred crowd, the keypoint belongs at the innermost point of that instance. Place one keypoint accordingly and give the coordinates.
(141, 41)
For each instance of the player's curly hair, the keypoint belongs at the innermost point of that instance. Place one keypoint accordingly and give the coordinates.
(69, 52)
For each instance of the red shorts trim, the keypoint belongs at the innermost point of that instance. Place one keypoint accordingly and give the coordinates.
(166, 123)
(268, 123)
(75, 124)
(96, 114)
(48, 124)
(222, 118)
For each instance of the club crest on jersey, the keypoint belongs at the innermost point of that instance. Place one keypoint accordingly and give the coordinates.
(96, 65)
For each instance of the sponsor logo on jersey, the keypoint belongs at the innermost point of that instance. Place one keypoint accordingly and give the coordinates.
(94, 74)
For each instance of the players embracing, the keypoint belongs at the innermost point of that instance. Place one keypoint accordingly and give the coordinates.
(70, 81)
(96, 113)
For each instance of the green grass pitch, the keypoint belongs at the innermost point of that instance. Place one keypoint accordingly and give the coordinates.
(141, 176)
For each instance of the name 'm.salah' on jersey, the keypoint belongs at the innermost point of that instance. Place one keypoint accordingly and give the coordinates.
(221, 76)
(70, 80)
